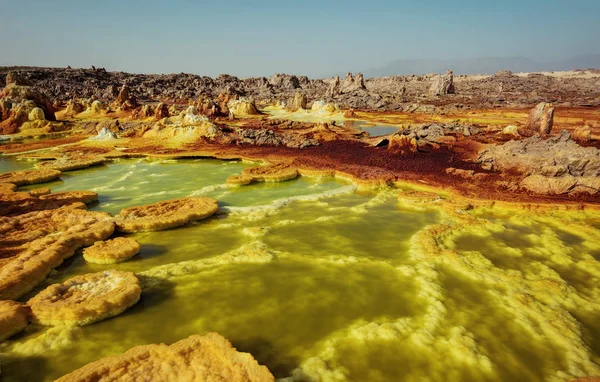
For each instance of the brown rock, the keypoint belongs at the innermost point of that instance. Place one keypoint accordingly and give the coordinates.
(540, 120)
(161, 111)
(297, 103)
(539, 184)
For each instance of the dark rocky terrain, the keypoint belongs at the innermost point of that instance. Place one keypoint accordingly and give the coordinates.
(402, 93)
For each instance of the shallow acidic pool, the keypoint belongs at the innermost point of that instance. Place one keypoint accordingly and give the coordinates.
(321, 282)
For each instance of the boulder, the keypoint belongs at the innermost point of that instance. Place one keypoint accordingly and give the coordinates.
(443, 84)
(297, 103)
(161, 111)
(351, 83)
(540, 120)
(582, 134)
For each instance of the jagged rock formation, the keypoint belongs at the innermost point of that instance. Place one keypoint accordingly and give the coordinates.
(161, 111)
(388, 93)
(443, 84)
(297, 103)
(556, 165)
(21, 103)
(540, 121)
(351, 84)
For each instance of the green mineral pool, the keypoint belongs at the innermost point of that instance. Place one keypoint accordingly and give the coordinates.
(320, 281)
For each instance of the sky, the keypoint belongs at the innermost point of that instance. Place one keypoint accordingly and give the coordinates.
(303, 37)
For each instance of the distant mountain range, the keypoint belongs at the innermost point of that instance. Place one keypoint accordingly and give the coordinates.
(482, 65)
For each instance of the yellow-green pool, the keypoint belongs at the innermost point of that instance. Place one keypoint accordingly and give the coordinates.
(322, 282)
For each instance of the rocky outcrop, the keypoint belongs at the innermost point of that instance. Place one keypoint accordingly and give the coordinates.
(125, 100)
(21, 103)
(540, 120)
(297, 103)
(284, 81)
(266, 137)
(388, 93)
(334, 87)
(443, 84)
(556, 165)
(161, 111)
(352, 84)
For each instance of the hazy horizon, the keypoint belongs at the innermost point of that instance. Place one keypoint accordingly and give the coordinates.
(317, 39)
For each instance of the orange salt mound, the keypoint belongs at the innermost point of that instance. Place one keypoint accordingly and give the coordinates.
(68, 164)
(198, 358)
(85, 299)
(40, 241)
(112, 251)
(165, 214)
(72, 196)
(29, 176)
(7, 188)
(13, 318)
(271, 173)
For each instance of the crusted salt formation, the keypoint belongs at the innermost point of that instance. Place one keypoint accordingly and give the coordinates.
(86, 299)
(40, 191)
(557, 165)
(41, 240)
(271, 173)
(198, 358)
(323, 107)
(68, 164)
(241, 180)
(243, 108)
(20, 178)
(14, 317)
(165, 214)
(112, 251)
(7, 187)
(72, 196)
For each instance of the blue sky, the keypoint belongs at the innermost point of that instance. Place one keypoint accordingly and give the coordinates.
(315, 38)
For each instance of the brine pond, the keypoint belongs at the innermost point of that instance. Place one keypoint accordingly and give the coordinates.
(321, 281)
